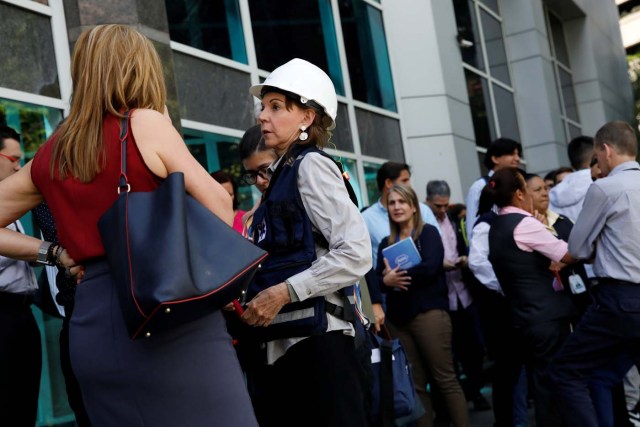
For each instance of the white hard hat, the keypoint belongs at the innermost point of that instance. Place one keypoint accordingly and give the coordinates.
(304, 79)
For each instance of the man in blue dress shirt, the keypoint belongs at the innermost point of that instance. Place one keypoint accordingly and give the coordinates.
(608, 228)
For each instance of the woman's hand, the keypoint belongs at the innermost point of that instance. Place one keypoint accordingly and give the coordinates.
(71, 269)
(378, 315)
(395, 278)
(264, 307)
(540, 217)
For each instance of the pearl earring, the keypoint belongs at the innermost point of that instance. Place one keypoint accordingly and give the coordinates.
(303, 135)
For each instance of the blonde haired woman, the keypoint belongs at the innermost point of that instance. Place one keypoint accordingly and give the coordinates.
(417, 303)
(186, 376)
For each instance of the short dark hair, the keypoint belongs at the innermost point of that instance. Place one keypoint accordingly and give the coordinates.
(7, 133)
(390, 170)
(580, 151)
(504, 184)
(224, 176)
(251, 142)
(618, 135)
(551, 176)
(530, 176)
(438, 188)
(500, 147)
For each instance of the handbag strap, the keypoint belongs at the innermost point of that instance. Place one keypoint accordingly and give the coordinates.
(387, 409)
(124, 132)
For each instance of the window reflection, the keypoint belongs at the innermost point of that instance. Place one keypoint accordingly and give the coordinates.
(370, 173)
(349, 166)
(34, 123)
(557, 38)
(569, 96)
(468, 38)
(214, 152)
(494, 43)
(28, 56)
(506, 110)
(480, 104)
(367, 54)
(212, 26)
(287, 29)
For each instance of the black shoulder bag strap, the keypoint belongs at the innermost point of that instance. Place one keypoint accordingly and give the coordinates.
(124, 132)
(386, 384)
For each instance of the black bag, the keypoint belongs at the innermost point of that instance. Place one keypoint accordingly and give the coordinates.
(171, 258)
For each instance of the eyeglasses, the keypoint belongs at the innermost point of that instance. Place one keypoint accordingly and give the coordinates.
(13, 159)
(251, 177)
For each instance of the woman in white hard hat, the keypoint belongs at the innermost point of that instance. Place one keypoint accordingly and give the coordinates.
(318, 246)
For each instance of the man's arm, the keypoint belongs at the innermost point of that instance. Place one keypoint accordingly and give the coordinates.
(590, 223)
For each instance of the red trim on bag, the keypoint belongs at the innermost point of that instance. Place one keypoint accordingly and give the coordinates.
(126, 216)
(142, 327)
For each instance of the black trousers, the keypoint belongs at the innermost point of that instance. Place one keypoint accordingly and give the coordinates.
(20, 364)
(609, 328)
(316, 383)
(468, 347)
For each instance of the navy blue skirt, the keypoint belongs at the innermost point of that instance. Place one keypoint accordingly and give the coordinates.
(187, 376)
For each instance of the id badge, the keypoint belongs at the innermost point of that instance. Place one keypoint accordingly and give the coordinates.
(576, 284)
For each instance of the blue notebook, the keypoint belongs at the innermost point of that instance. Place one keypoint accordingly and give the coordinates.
(403, 254)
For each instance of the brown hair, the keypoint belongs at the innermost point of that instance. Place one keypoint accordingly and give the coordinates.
(114, 68)
(407, 194)
(318, 133)
(618, 135)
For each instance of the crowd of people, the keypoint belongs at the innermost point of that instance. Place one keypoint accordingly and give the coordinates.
(532, 285)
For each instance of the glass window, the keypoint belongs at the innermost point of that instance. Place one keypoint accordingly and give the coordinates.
(558, 41)
(28, 58)
(215, 152)
(212, 93)
(491, 4)
(349, 166)
(379, 135)
(342, 137)
(468, 39)
(494, 44)
(367, 54)
(563, 75)
(569, 96)
(370, 173)
(212, 26)
(574, 131)
(480, 104)
(287, 29)
(34, 123)
(506, 110)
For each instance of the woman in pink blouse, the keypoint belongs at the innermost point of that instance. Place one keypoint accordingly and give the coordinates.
(521, 250)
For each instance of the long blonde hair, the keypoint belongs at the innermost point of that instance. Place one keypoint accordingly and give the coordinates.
(408, 195)
(114, 68)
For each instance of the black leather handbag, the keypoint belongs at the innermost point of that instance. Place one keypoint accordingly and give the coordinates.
(171, 259)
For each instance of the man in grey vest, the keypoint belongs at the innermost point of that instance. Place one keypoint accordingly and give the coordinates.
(608, 228)
(20, 349)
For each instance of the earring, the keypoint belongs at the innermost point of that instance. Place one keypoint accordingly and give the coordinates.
(303, 135)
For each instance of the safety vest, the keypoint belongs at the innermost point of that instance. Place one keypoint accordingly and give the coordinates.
(282, 227)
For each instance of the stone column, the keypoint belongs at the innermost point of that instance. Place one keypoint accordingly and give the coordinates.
(147, 16)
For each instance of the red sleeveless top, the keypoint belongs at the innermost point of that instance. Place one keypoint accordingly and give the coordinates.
(77, 206)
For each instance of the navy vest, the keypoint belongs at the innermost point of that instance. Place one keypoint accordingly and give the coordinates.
(525, 277)
(282, 227)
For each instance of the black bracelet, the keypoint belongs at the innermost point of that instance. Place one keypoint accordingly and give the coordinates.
(57, 256)
(50, 254)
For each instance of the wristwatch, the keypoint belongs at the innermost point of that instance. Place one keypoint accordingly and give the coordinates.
(42, 253)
